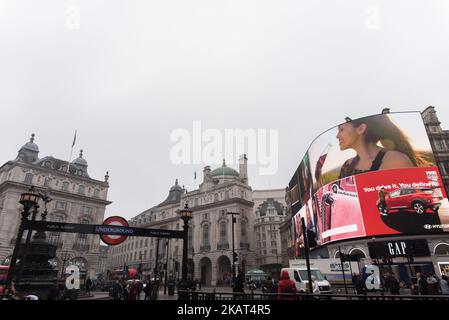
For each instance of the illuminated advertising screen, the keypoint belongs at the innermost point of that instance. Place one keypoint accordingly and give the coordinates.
(368, 177)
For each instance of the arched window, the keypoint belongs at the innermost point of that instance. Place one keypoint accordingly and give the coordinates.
(442, 249)
(206, 235)
(223, 232)
(97, 193)
(81, 189)
(358, 253)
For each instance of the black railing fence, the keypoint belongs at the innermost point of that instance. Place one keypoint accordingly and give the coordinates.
(207, 296)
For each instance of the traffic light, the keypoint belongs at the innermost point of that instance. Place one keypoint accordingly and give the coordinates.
(235, 257)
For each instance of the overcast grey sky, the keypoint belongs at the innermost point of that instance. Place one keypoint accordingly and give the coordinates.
(125, 74)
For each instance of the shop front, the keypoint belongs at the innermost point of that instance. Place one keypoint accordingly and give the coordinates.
(402, 258)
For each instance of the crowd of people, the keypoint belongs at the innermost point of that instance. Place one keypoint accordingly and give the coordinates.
(422, 284)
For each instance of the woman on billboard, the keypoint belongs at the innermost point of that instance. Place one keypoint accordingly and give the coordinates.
(363, 135)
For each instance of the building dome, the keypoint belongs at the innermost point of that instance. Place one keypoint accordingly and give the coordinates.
(224, 171)
(80, 160)
(174, 195)
(176, 187)
(30, 145)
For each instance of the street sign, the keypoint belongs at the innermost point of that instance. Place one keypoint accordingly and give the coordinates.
(101, 229)
(112, 239)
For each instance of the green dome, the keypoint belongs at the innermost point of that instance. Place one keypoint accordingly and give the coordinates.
(224, 171)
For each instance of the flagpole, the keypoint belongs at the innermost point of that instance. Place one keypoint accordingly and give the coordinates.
(71, 152)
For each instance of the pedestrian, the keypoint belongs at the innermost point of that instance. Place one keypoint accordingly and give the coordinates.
(116, 290)
(269, 287)
(199, 284)
(239, 283)
(133, 290)
(148, 289)
(286, 285)
(53, 293)
(88, 285)
(139, 289)
(444, 285)
(125, 291)
(421, 283)
(432, 284)
(394, 285)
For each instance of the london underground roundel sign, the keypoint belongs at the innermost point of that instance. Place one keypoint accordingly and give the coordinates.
(114, 239)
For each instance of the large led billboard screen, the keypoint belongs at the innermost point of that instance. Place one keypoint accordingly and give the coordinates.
(370, 176)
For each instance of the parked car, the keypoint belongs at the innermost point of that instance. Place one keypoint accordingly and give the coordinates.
(416, 199)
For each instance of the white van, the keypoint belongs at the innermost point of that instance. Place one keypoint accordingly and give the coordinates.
(299, 276)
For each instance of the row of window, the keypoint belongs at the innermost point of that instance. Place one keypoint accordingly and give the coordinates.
(223, 232)
(264, 252)
(218, 197)
(273, 236)
(264, 244)
(144, 254)
(62, 205)
(64, 186)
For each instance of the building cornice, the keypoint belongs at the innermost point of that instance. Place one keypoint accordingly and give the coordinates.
(223, 203)
(23, 186)
(56, 172)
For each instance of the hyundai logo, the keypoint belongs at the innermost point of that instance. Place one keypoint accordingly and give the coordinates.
(427, 226)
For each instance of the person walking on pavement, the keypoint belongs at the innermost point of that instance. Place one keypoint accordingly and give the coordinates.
(116, 290)
(421, 283)
(286, 285)
(125, 290)
(133, 290)
(53, 293)
(444, 285)
(394, 285)
(148, 290)
(88, 285)
(432, 284)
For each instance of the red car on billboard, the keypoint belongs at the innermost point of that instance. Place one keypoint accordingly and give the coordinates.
(416, 199)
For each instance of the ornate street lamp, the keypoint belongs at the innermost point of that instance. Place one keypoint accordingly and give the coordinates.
(28, 200)
(185, 214)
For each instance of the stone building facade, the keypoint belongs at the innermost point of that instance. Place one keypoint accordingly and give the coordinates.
(222, 191)
(270, 212)
(76, 198)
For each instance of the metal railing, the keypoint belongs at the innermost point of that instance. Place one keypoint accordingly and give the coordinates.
(205, 296)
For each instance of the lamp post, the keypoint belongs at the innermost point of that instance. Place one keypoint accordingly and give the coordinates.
(185, 214)
(65, 256)
(234, 257)
(28, 200)
(166, 268)
(156, 267)
(140, 265)
(44, 196)
(306, 251)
